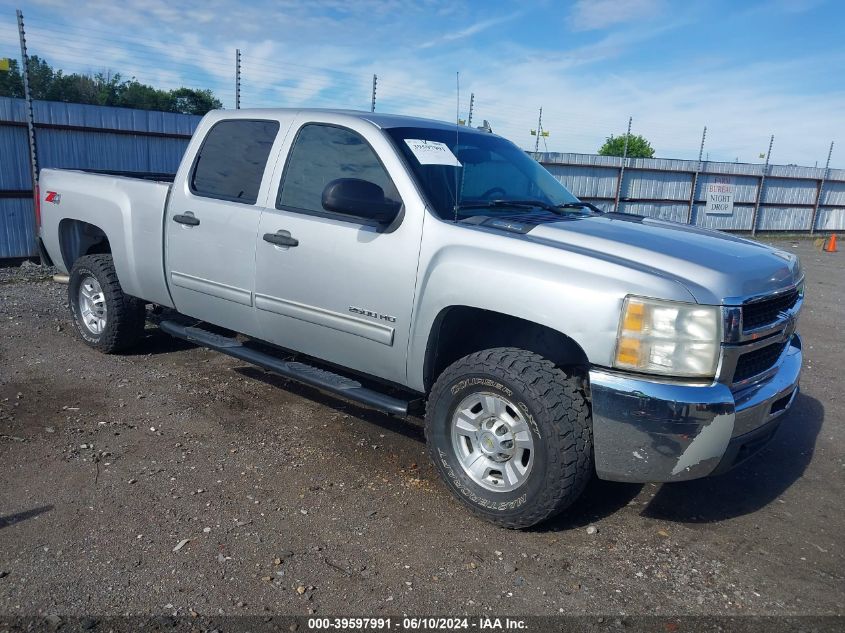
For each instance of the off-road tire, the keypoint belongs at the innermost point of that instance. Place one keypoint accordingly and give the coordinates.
(125, 315)
(557, 410)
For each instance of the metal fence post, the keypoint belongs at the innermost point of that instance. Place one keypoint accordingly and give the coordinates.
(471, 105)
(819, 190)
(237, 79)
(695, 176)
(30, 116)
(756, 213)
(622, 169)
(373, 101)
(539, 131)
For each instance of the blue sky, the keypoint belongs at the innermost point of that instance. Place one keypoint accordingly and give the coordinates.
(744, 69)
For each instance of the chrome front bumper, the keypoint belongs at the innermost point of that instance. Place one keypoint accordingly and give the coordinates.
(650, 431)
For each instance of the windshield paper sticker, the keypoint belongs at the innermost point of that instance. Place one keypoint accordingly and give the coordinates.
(432, 152)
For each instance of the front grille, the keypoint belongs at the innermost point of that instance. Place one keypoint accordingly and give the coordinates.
(758, 361)
(763, 312)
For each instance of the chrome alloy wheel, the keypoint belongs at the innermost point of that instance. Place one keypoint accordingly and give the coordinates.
(492, 441)
(92, 305)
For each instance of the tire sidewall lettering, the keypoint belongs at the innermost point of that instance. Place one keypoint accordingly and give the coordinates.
(500, 506)
(477, 381)
(462, 385)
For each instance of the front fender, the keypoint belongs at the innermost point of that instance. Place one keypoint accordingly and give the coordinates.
(566, 290)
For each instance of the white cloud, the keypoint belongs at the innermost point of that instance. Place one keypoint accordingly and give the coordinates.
(297, 55)
(470, 30)
(741, 106)
(588, 15)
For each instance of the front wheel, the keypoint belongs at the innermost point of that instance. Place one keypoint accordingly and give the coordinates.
(510, 434)
(105, 318)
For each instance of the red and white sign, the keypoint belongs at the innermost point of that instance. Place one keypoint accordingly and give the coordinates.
(719, 196)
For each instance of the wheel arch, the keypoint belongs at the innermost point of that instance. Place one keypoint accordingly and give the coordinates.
(78, 238)
(460, 330)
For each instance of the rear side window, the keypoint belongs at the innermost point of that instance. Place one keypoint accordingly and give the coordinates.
(231, 161)
(321, 154)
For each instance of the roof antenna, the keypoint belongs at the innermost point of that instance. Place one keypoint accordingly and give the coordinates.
(457, 137)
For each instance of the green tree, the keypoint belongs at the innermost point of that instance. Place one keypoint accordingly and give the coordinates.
(105, 88)
(11, 82)
(109, 88)
(144, 97)
(638, 147)
(43, 83)
(189, 101)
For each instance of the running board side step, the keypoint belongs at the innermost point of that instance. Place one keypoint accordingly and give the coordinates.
(313, 376)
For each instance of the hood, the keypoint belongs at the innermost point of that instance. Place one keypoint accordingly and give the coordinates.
(712, 265)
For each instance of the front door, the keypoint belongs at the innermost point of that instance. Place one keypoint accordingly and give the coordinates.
(212, 221)
(339, 287)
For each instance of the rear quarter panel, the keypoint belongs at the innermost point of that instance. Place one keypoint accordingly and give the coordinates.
(129, 211)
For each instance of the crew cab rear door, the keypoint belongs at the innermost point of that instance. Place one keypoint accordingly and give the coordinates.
(338, 287)
(212, 221)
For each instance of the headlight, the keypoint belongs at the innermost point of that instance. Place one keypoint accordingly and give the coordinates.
(667, 337)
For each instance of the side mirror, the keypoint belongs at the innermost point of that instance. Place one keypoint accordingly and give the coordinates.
(361, 198)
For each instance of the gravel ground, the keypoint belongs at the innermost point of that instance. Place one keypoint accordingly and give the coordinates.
(27, 271)
(177, 480)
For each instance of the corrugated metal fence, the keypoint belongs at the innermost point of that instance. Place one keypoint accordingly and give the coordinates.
(76, 136)
(142, 142)
(663, 188)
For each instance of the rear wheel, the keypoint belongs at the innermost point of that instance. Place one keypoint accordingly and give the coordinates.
(511, 436)
(105, 318)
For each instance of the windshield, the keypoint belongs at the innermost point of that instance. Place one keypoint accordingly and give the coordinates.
(484, 173)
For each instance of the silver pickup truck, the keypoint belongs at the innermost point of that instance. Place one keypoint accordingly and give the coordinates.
(412, 265)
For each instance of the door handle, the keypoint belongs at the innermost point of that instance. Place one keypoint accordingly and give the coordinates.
(186, 218)
(280, 239)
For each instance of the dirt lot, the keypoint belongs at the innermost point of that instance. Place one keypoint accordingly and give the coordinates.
(295, 502)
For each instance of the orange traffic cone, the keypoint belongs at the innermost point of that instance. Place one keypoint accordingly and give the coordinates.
(830, 244)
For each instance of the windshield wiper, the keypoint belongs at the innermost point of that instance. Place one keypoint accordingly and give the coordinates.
(580, 205)
(518, 204)
(529, 204)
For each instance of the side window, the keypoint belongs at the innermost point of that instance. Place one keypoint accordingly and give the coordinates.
(323, 153)
(231, 161)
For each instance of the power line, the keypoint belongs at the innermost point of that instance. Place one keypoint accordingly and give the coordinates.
(89, 51)
(336, 86)
(158, 81)
(260, 61)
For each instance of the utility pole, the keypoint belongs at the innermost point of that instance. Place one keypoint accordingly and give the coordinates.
(30, 116)
(471, 104)
(760, 189)
(695, 176)
(622, 169)
(373, 102)
(237, 79)
(821, 187)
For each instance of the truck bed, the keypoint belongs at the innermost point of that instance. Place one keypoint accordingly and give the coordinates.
(130, 211)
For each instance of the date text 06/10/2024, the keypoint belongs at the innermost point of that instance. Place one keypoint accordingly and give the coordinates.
(418, 624)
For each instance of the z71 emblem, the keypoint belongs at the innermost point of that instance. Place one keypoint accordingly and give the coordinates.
(53, 197)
